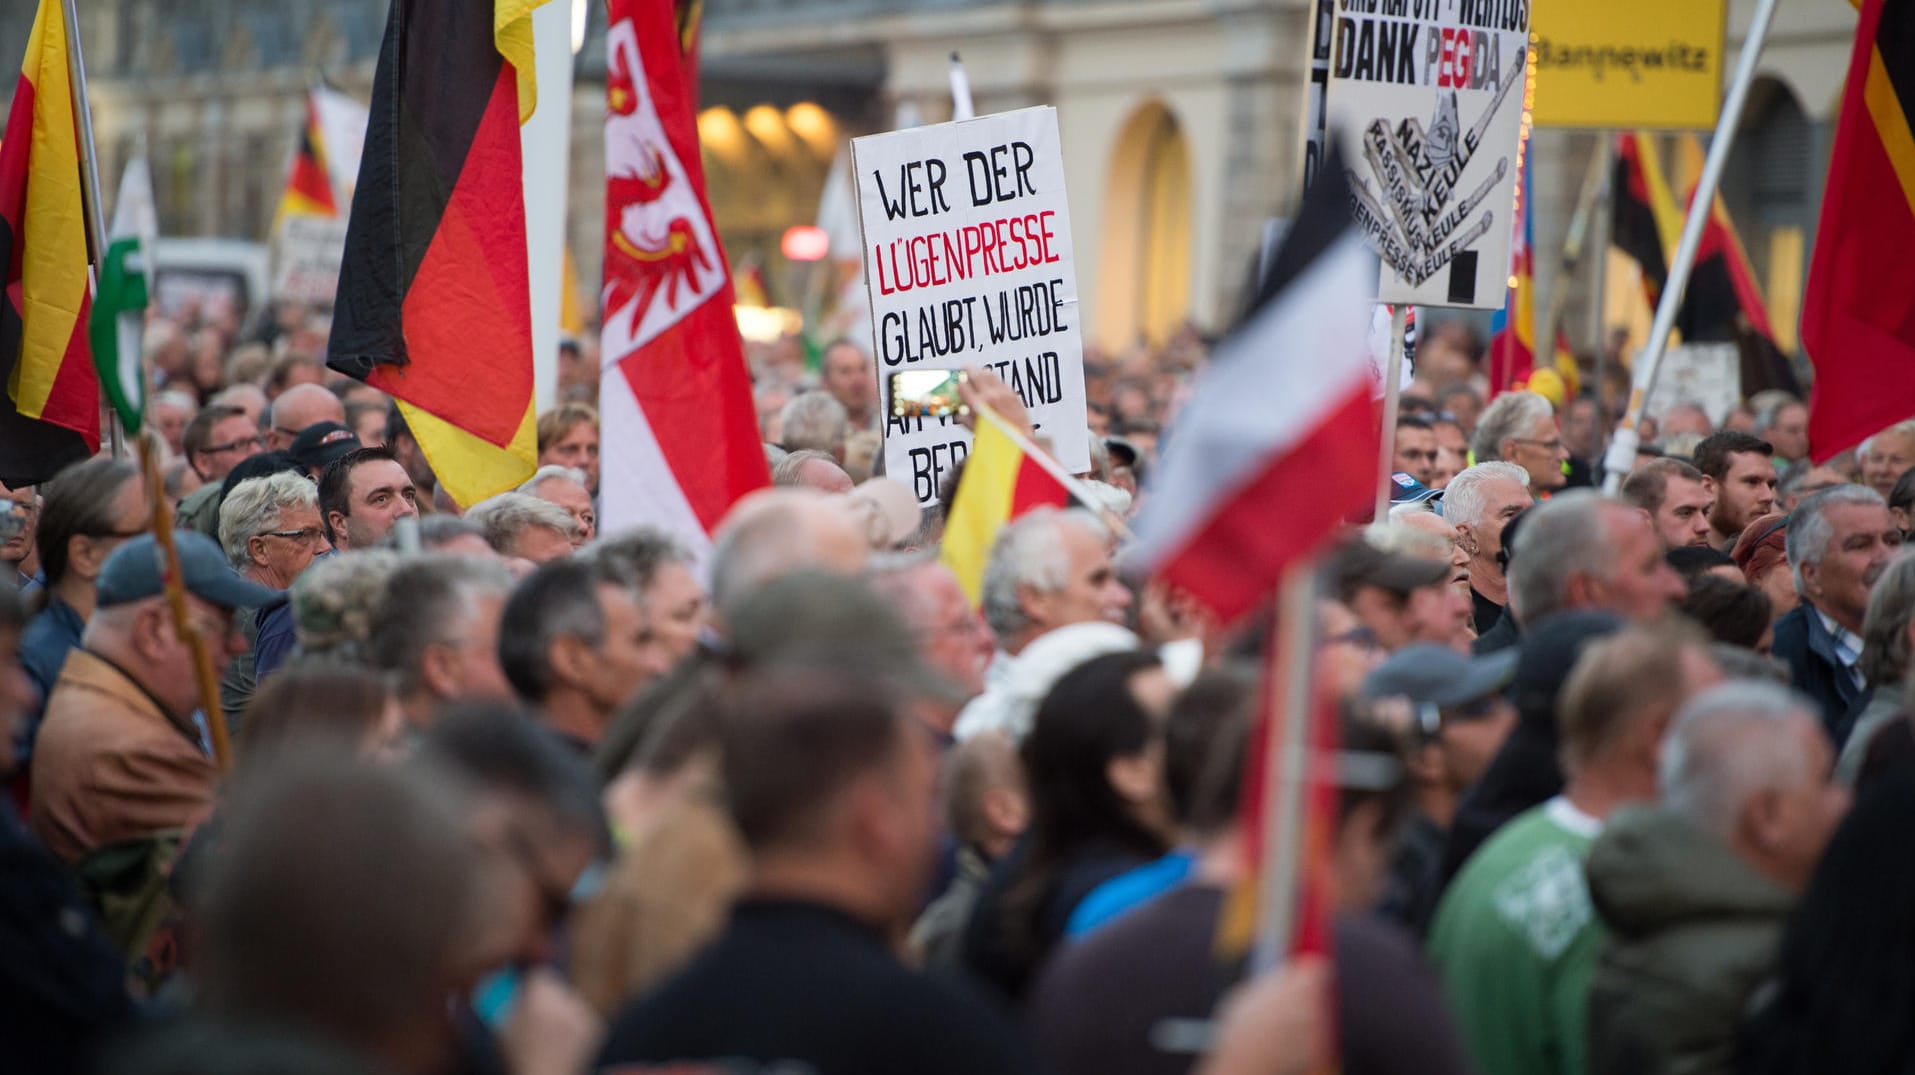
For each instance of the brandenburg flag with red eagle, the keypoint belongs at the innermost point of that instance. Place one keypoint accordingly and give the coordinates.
(433, 305)
(679, 429)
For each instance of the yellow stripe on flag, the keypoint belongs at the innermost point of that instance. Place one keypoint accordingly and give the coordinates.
(981, 506)
(470, 468)
(512, 33)
(52, 244)
(571, 317)
(1891, 124)
(1662, 203)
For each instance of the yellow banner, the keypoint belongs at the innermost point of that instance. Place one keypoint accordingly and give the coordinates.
(1628, 63)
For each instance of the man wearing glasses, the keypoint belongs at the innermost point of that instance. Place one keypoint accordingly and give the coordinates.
(270, 531)
(218, 439)
(1521, 427)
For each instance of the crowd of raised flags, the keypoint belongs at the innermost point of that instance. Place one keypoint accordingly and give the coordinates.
(1189, 683)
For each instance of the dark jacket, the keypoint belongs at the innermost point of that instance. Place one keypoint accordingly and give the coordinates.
(1814, 668)
(1692, 932)
(1504, 635)
(991, 952)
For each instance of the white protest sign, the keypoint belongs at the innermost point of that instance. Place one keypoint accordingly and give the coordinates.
(1706, 374)
(1431, 91)
(967, 259)
(306, 257)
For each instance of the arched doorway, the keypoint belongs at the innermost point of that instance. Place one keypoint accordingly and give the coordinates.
(1144, 282)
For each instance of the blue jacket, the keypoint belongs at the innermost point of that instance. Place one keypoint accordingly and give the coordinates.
(1815, 669)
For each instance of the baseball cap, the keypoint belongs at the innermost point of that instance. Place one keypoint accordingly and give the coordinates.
(132, 573)
(815, 614)
(1407, 490)
(322, 444)
(1429, 674)
(1359, 563)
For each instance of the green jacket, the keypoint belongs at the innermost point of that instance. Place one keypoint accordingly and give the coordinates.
(1692, 931)
(200, 510)
(1515, 942)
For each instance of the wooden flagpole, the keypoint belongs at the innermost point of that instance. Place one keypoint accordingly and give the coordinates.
(175, 581)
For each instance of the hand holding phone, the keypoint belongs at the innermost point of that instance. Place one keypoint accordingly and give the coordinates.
(927, 394)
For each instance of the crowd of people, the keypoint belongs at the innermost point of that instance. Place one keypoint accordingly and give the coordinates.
(1619, 777)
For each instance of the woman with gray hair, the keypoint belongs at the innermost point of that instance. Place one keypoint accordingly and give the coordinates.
(1885, 659)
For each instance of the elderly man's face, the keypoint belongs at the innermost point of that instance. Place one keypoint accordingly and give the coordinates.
(169, 675)
(950, 633)
(1641, 585)
(1503, 500)
(571, 496)
(1863, 540)
(1091, 589)
(1540, 450)
(1889, 454)
(290, 547)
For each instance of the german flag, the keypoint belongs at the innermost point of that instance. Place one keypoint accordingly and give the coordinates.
(51, 416)
(1857, 322)
(309, 181)
(1721, 302)
(1644, 211)
(1004, 476)
(433, 305)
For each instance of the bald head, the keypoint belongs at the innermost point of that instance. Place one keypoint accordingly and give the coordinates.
(296, 408)
(776, 531)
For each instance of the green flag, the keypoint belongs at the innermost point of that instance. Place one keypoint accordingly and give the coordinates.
(114, 329)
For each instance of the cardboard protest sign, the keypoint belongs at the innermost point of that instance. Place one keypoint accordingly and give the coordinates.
(1629, 63)
(1431, 91)
(306, 258)
(967, 259)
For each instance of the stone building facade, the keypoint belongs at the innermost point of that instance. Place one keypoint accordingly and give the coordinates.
(1180, 122)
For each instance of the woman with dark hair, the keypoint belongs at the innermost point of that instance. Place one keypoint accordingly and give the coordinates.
(1094, 763)
(1846, 981)
(86, 511)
